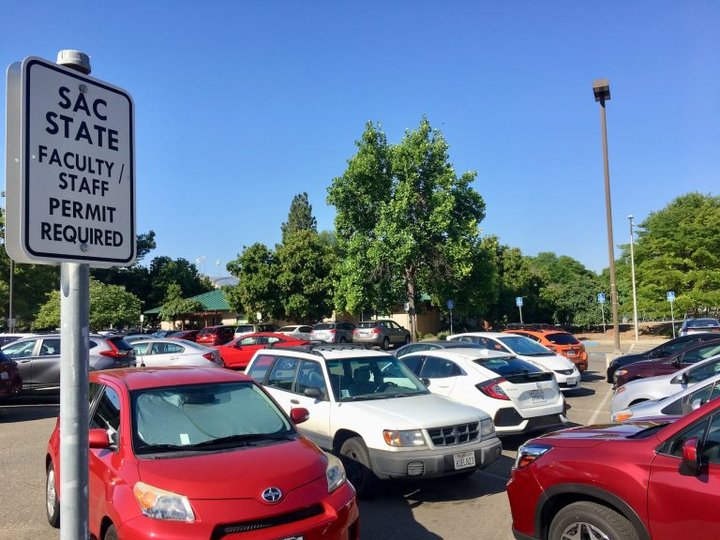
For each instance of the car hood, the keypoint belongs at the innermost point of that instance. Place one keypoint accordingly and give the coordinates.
(649, 364)
(627, 359)
(236, 474)
(554, 362)
(586, 436)
(413, 412)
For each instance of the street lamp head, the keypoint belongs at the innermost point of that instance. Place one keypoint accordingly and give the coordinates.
(601, 90)
(630, 217)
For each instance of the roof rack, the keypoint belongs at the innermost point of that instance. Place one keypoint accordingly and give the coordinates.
(532, 326)
(317, 346)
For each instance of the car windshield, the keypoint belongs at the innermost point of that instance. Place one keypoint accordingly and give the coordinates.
(695, 323)
(205, 417)
(524, 346)
(374, 377)
(561, 338)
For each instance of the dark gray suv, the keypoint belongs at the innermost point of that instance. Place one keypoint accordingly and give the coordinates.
(38, 359)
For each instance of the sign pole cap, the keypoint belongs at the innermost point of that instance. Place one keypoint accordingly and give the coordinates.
(77, 60)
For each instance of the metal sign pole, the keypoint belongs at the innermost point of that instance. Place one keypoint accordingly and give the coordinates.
(451, 321)
(602, 310)
(74, 415)
(520, 308)
(672, 318)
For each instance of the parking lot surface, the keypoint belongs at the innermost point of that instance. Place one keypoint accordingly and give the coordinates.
(475, 507)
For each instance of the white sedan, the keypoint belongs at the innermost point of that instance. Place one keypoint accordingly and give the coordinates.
(296, 331)
(678, 404)
(517, 395)
(566, 373)
(174, 352)
(659, 387)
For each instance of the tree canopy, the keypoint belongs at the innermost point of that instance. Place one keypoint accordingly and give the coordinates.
(300, 217)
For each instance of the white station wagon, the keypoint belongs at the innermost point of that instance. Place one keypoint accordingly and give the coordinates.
(369, 409)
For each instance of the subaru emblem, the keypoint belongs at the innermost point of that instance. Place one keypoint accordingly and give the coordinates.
(272, 495)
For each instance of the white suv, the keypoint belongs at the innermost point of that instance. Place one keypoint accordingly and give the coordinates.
(517, 395)
(368, 408)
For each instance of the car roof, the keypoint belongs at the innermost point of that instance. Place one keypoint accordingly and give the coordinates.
(468, 354)
(330, 352)
(136, 379)
(494, 335)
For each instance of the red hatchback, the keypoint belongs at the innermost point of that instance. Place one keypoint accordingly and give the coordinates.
(647, 479)
(238, 352)
(212, 336)
(179, 453)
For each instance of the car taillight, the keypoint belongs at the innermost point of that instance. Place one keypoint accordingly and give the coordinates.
(116, 353)
(332, 331)
(376, 330)
(208, 356)
(492, 388)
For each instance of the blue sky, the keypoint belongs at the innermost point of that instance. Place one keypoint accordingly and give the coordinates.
(241, 105)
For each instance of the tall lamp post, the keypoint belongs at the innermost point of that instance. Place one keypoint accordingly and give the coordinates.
(632, 270)
(601, 90)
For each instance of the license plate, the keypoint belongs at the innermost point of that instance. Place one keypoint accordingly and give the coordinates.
(537, 396)
(572, 382)
(463, 460)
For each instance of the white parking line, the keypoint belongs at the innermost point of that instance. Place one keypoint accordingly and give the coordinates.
(600, 408)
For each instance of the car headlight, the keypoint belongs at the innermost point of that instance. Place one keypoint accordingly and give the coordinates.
(334, 473)
(487, 427)
(161, 504)
(621, 416)
(410, 437)
(529, 453)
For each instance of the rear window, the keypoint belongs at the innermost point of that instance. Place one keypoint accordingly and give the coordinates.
(120, 344)
(701, 322)
(507, 366)
(324, 326)
(288, 329)
(372, 324)
(245, 328)
(561, 338)
(204, 331)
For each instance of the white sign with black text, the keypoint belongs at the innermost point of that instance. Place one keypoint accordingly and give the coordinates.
(70, 167)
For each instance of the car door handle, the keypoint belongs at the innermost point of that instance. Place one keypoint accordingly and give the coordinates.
(294, 402)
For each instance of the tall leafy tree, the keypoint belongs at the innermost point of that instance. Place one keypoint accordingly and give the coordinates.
(300, 217)
(163, 271)
(678, 249)
(110, 306)
(175, 306)
(256, 291)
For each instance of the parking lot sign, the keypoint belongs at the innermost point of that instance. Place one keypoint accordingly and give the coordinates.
(519, 301)
(70, 167)
(671, 296)
(601, 298)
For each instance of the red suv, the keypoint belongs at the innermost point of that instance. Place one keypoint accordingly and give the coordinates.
(202, 453)
(215, 335)
(655, 478)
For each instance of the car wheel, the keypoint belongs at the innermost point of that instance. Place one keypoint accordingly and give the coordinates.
(342, 340)
(52, 504)
(585, 519)
(356, 460)
(407, 339)
(386, 344)
(111, 533)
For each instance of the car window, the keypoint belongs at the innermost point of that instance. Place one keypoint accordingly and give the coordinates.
(507, 366)
(50, 347)
(695, 399)
(20, 349)
(167, 348)
(260, 367)
(562, 338)
(439, 368)
(701, 353)
(107, 412)
(287, 329)
(703, 371)
(674, 446)
(523, 345)
(283, 372)
(711, 445)
(249, 341)
(243, 328)
(310, 376)
(324, 326)
(413, 362)
(305, 329)
(140, 347)
(271, 339)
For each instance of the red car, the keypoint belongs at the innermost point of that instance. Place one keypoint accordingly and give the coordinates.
(179, 453)
(657, 478)
(238, 352)
(188, 335)
(664, 366)
(212, 336)
(10, 381)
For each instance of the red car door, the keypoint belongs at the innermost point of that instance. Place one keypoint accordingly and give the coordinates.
(685, 505)
(238, 352)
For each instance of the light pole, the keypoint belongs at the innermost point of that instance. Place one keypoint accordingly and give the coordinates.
(632, 270)
(601, 90)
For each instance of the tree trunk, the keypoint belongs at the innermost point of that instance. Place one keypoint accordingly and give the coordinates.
(410, 283)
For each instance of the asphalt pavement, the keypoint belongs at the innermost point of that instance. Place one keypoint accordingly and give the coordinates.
(452, 509)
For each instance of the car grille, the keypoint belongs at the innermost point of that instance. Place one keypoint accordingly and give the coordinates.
(450, 435)
(271, 521)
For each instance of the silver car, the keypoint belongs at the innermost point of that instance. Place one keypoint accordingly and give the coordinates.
(38, 359)
(384, 333)
(333, 332)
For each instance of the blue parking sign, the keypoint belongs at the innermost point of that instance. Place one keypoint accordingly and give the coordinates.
(519, 301)
(450, 304)
(671, 296)
(601, 298)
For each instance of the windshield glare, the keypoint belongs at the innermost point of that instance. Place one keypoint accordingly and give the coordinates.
(357, 379)
(177, 418)
(525, 346)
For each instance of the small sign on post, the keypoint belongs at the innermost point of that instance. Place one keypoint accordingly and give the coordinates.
(601, 298)
(450, 306)
(519, 304)
(671, 299)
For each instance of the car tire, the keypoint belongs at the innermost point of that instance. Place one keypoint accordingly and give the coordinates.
(598, 521)
(386, 344)
(342, 340)
(52, 504)
(407, 339)
(111, 533)
(356, 459)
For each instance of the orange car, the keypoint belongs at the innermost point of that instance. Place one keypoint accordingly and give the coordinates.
(555, 339)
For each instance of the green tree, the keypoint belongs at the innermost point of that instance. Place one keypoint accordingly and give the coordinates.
(256, 291)
(175, 306)
(304, 284)
(111, 306)
(300, 217)
(163, 271)
(678, 249)
(405, 220)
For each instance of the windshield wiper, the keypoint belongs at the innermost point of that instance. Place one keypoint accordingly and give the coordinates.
(246, 439)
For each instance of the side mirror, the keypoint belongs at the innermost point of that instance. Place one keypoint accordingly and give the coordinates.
(425, 381)
(691, 463)
(676, 361)
(313, 392)
(299, 415)
(99, 438)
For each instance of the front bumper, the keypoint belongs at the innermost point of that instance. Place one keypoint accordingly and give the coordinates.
(432, 463)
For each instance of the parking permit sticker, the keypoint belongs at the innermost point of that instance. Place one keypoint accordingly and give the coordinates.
(184, 439)
(344, 393)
